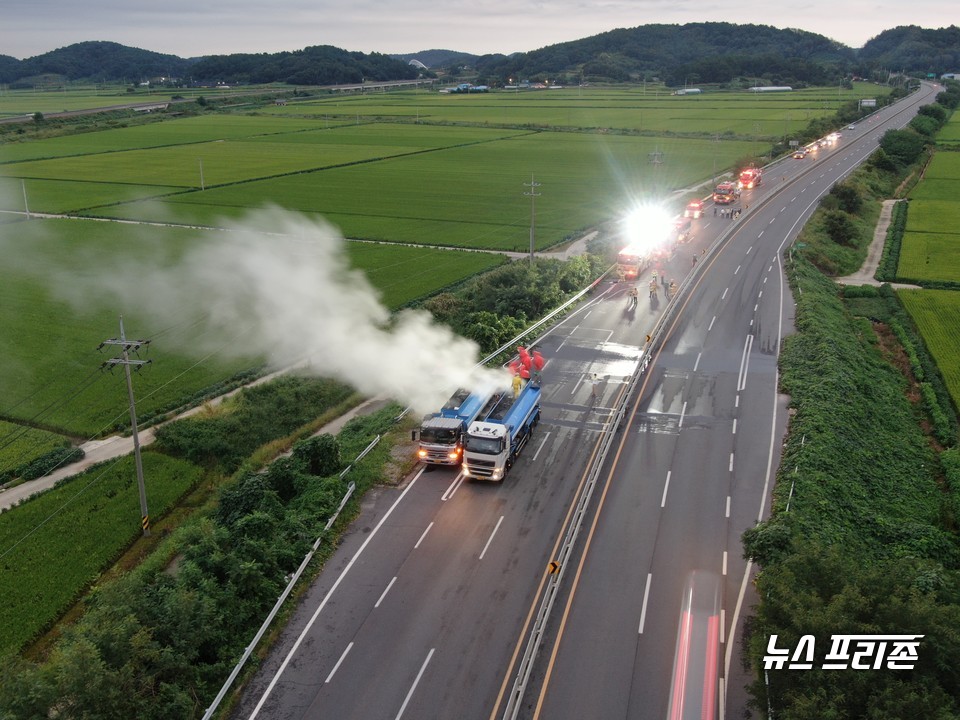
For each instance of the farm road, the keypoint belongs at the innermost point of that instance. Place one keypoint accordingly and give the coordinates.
(865, 275)
(115, 446)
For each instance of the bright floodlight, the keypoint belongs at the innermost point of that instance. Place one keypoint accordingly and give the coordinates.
(647, 226)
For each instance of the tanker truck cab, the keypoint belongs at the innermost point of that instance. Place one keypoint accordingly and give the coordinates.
(493, 443)
(440, 441)
(486, 449)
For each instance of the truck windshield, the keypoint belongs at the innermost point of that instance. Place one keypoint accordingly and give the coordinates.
(485, 446)
(446, 436)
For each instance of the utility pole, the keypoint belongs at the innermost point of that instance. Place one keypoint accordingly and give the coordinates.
(533, 212)
(125, 347)
(656, 159)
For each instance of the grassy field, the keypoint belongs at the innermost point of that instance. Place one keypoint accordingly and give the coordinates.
(459, 181)
(188, 163)
(950, 133)
(471, 195)
(57, 304)
(930, 256)
(161, 133)
(20, 444)
(439, 185)
(87, 522)
(937, 315)
(638, 109)
(54, 99)
(931, 242)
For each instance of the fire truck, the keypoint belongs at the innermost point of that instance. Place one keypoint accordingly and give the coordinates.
(750, 178)
(726, 193)
(694, 209)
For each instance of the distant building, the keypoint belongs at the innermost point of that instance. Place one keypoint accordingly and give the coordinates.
(771, 88)
(688, 91)
(949, 76)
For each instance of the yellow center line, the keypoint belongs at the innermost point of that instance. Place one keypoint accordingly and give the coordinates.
(603, 496)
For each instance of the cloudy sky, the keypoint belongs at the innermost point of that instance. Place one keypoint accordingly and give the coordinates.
(190, 28)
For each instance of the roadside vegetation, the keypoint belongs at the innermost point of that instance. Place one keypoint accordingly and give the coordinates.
(158, 641)
(864, 535)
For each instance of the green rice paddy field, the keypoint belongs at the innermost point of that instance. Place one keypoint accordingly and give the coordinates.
(457, 177)
(438, 185)
(56, 310)
(937, 315)
(950, 133)
(56, 99)
(931, 251)
(931, 243)
(87, 523)
(652, 110)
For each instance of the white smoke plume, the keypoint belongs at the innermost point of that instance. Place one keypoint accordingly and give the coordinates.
(285, 280)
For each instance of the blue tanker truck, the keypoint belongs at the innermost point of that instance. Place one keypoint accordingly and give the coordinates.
(495, 440)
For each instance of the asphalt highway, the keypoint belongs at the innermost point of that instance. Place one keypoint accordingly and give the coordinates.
(425, 609)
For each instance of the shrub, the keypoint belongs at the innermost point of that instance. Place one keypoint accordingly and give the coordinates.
(840, 227)
(319, 455)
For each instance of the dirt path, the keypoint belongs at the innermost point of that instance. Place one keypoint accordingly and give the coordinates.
(97, 451)
(865, 275)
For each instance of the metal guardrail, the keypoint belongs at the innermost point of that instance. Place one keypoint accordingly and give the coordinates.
(290, 585)
(554, 581)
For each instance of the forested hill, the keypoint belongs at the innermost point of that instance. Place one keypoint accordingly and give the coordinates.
(679, 54)
(96, 61)
(111, 62)
(915, 49)
(722, 52)
(701, 52)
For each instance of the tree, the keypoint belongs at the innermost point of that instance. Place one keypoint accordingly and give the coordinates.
(925, 125)
(903, 147)
(241, 498)
(490, 330)
(445, 307)
(320, 455)
(848, 198)
(840, 227)
(934, 110)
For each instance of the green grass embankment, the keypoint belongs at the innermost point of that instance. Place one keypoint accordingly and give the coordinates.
(862, 536)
